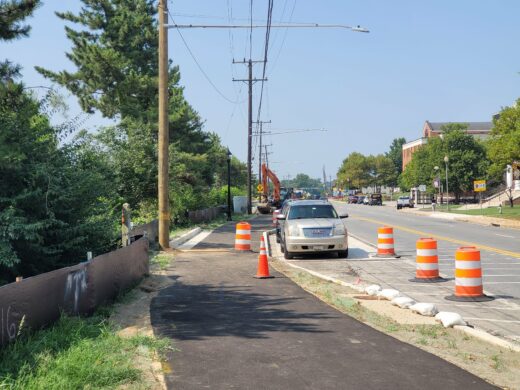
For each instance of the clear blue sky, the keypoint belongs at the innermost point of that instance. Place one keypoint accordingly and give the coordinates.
(440, 60)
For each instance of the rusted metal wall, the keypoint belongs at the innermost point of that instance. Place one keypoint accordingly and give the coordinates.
(38, 301)
(151, 230)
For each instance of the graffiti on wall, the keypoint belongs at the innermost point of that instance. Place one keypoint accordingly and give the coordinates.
(8, 325)
(75, 287)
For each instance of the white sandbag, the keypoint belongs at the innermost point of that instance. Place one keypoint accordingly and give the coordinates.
(389, 293)
(425, 309)
(373, 289)
(449, 319)
(403, 302)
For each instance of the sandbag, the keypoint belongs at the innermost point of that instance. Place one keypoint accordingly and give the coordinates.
(373, 289)
(389, 293)
(449, 319)
(425, 309)
(403, 302)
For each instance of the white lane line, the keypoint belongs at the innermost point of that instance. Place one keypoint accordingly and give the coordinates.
(502, 282)
(504, 235)
(491, 320)
(492, 276)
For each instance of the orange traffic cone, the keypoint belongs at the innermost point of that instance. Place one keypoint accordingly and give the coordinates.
(263, 266)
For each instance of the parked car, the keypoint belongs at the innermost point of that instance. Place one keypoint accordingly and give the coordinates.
(352, 199)
(361, 199)
(282, 210)
(376, 200)
(366, 200)
(312, 226)
(404, 201)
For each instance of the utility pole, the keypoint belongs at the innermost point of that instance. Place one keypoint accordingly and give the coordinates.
(260, 132)
(163, 136)
(250, 82)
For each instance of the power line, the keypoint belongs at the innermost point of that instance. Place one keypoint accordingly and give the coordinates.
(200, 67)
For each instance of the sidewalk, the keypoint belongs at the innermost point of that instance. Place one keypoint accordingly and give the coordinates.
(231, 330)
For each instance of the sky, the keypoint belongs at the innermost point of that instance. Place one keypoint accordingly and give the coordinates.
(439, 60)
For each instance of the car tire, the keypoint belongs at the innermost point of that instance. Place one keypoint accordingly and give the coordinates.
(282, 247)
(278, 239)
(288, 255)
(343, 254)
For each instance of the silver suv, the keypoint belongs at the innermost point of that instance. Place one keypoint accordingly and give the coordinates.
(311, 226)
(404, 201)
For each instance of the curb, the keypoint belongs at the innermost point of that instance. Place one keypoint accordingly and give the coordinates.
(474, 332)
(176, 242)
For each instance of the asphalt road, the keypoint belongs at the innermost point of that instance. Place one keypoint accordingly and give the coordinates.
(500, 259)
(232, 331)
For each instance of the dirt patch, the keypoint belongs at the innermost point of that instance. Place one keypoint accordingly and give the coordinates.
(132, 317)
(497, 365)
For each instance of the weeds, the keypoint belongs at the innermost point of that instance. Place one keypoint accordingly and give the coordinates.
(497, 362)
(161, 260)
(75, 353)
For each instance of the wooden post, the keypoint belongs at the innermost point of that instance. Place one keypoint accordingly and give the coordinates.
(125, 224)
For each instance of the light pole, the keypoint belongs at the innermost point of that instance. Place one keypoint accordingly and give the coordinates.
(229, 185)
(437, 179)
(446, 159)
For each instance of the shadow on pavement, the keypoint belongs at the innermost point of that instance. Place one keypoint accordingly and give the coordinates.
(192, 312)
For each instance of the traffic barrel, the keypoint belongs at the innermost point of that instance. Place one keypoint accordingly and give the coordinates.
(427, 260)
(385, 241)
(275, 214)
(243, 237)
(263, 266)
(468, 276)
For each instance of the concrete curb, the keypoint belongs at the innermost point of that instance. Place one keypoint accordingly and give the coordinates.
(176, 242)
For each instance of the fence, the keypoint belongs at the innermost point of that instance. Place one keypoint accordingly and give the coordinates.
(39, 300)
(205, 214)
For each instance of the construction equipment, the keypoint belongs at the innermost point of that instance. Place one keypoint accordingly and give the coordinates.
(267, 202)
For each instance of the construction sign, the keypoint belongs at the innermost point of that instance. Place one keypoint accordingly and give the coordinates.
(260, 188)
(479, 185)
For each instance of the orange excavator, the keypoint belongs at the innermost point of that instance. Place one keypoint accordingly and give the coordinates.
(265, 205)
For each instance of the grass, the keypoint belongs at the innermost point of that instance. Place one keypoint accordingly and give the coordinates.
(507, 212)
(75, 353)
(162, 260)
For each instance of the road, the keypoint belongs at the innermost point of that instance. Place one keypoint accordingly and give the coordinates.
(232, 331)
(500, 254)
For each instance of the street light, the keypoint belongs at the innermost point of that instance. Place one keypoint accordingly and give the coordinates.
(229, 185)
(446, 159)
(437, 179)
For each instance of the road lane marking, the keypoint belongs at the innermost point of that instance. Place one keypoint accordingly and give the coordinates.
(443, 238)
(491, 320)
(503, 235)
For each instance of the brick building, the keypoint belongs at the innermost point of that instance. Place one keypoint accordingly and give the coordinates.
(478, 130)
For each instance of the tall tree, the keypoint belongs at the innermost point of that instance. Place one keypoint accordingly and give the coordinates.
(12, 14)
(504, 144)
(467, 161)
(354, 171)
(396, 154)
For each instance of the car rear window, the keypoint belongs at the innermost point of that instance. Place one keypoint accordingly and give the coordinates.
(312, 211)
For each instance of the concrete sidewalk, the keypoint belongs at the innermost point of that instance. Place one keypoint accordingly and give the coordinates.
(233, 331)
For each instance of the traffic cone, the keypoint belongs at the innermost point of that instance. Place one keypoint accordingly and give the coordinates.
(263, 266)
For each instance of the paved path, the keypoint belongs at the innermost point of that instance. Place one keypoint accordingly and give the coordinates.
(236, 332)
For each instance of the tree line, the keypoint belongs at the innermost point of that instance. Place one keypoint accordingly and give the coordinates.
(468, 159)
(63, 185)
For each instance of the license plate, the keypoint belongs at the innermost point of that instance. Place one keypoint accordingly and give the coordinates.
(318, 247)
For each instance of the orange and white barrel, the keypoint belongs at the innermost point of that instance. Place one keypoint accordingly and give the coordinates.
(275, 214)
(385, 241)
(427, 259)
(243, 237)
(468, 272)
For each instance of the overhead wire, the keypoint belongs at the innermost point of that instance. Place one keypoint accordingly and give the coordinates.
(283, 39)
(199, 66)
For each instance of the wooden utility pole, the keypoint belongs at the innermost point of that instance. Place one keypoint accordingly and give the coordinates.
(250, 82)
(164, 207)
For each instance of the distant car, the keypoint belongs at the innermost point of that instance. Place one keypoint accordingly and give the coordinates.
(366, 200)
(311, 226)
(361, 199)
(404, 201)
(352, 199)
(376, 200)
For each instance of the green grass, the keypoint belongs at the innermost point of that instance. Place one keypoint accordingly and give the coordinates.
(507, 212)
(75, 353)
(161, 259)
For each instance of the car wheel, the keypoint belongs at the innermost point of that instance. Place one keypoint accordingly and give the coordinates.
(343, 254)
(278, 239)
(282, 247)
(288, 255)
